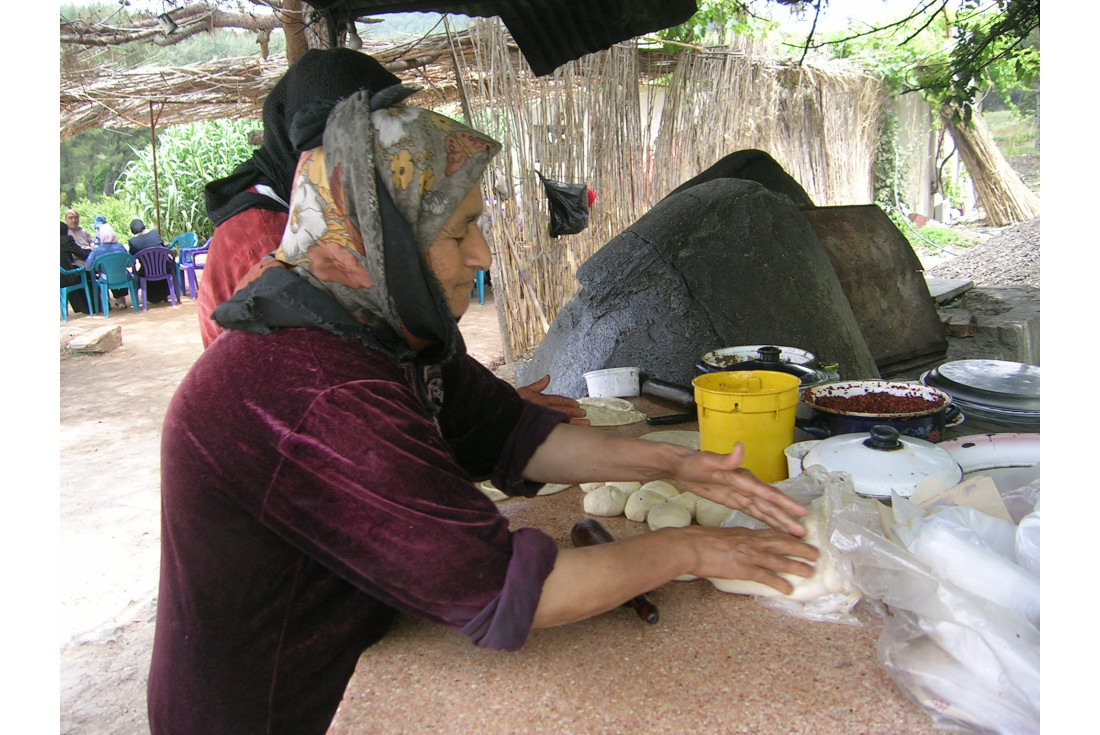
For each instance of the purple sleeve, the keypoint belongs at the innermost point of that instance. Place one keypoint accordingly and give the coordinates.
(492, 431)
(505, 621)
(368, 487)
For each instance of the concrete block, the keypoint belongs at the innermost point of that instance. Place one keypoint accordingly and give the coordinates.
(101, 339)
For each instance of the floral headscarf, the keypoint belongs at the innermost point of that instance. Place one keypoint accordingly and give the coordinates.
(364, 209)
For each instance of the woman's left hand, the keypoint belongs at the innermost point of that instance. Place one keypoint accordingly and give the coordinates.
(720, 477)
(568, 406)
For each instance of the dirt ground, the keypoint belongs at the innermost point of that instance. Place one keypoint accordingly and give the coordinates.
(112, 408)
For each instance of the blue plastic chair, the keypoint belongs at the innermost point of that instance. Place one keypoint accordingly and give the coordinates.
(157, 264)
(479, 287)
(183, 241)
(189, 266)
(66, 290)
(113, 271)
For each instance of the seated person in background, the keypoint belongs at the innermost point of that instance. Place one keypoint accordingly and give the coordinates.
(98, 222)
(156, 291)
(108, 243)
(143, 238)
(80, 236)
(72, 256)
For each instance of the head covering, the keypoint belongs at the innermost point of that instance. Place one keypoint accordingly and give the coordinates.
(364, 210)
(319, 74)
(106, 233)
(136, 226)
(99, 220)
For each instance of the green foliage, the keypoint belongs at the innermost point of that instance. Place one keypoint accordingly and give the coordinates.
(188, 157)
(930, 237)
(714, 23)
(891, 166)
(118, 210)
(91, 162)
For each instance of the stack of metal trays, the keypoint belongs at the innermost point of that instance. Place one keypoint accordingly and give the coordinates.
(995, 390)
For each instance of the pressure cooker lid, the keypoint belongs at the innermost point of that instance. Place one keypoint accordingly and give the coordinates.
(997, 387)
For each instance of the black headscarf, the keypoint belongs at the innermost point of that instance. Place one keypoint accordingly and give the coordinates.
(319, 75)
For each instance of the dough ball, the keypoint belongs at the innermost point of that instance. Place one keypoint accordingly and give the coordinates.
(639, 503)
(664, 488)
(627, 486)
(606, 500)
(589, 486)
(825, 581)
(688, 500)
(711, 514)
(668, 515)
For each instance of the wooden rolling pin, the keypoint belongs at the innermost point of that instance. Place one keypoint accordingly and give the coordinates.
(589, 532)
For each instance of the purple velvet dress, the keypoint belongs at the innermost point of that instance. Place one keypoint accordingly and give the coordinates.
(307, 498)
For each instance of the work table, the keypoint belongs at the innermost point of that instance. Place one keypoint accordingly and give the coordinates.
(713, 663)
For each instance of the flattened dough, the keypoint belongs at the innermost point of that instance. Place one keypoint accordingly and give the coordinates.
(689, 439)
(610, 411)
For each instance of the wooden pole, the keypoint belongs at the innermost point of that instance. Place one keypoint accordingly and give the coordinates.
(156, 182)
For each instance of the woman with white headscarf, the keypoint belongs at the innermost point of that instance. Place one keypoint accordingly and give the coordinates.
(319, 459)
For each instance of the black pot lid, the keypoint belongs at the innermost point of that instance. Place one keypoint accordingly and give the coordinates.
(1001, 387)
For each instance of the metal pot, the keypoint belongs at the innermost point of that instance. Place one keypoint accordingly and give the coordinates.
(924, 423)
(768, 357)
(727, 358)
(881, 461)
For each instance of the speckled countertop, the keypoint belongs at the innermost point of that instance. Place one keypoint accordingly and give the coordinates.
(713, 663)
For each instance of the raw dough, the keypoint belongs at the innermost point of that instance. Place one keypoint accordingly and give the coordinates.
(491, 491)
(660, 486)
(610, 411)
(688, 500)
(639, 503)
(627, 486)
(551, 487)
(606, 500)
(689, 439)
(711, 514)
(668, 515)
(590, 486)
(825, 580)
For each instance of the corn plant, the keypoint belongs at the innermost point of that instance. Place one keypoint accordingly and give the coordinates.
(188, 157)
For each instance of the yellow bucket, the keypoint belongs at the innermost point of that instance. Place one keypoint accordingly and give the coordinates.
(754, 407)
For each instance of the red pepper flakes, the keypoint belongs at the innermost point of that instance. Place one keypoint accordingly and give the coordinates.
(880, 403)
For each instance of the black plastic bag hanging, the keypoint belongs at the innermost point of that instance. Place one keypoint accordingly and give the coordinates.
(568, 206)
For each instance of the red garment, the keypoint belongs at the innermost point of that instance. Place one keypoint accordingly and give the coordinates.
(237, 245)
(591, 197)
(306, 496)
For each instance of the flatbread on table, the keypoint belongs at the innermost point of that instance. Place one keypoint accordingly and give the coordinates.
(689, 439)
(610, 411)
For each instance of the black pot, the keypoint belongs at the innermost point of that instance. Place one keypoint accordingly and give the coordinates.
(927, 424)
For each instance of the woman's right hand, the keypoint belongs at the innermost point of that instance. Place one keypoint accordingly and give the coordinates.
(748, 554)
(591, 580)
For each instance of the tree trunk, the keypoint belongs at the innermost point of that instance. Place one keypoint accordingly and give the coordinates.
(1001, 191)
(304, 29)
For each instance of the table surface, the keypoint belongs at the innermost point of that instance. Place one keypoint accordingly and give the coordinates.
(714, 662)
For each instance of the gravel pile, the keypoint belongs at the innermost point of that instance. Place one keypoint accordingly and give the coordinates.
(1008, 258)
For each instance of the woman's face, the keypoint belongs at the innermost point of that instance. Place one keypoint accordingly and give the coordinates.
(459, 251)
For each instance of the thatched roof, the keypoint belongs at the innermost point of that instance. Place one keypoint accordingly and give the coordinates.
(233, 88)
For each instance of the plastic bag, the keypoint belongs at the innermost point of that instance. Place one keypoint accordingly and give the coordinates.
(568, 206)
(830, 596)
(958, 640)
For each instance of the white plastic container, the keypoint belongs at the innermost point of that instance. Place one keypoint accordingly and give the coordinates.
(622, 382)
(794, 453)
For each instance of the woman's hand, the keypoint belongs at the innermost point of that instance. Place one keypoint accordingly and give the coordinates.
(590, 580)
(720, 477)
(568, 406)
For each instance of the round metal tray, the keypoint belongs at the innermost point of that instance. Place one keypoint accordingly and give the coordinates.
(1004, 389)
